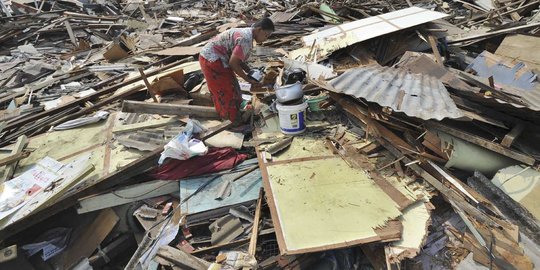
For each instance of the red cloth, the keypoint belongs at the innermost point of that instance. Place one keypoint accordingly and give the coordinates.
(217, 159)
(224, 88)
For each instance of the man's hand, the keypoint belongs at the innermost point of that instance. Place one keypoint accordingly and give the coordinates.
(254, 83)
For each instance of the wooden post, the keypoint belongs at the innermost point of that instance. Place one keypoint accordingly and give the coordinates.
(148, 86)
(252, 249)
(512, 135)
(433, 44)
(17, 148)
(70, 33)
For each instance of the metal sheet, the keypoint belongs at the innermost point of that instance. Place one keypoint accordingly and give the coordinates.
(416, 95)
(510, 73)
(531, 98)
(346, 34)
(244, 189)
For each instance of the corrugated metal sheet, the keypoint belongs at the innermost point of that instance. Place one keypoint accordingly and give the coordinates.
(415, 95)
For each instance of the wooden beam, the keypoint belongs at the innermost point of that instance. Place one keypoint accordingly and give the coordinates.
(13, 158)
(70, 33)
(168, 109)
(148, 86)
(17, 148)
(255, 232)
(512, 135)
(182, 258)
(494, 33)
(144, 125)
(484, 143)
(433, 44)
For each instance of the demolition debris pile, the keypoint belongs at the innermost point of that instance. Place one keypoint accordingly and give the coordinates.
(419, 150)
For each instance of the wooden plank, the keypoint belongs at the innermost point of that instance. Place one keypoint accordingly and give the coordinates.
(433, 44)
(70, 33)
(13, 158)
(255, 232)
(90, 238)
(484, 143)
(494, 33)
(127, 194)
(17, 148)
(512, 135)
(168, 109)
(148, 86)
(182, 259)
(144, 125)
(139, 145)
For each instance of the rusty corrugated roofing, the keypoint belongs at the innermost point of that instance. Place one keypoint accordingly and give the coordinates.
(415, 95)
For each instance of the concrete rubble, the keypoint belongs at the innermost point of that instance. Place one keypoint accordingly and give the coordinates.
(420, 148)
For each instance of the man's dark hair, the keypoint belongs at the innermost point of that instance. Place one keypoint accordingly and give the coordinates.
(265, 24)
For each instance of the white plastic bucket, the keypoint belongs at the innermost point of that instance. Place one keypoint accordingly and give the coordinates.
(292, 118)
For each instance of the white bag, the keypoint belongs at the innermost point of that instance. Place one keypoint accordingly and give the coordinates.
(182, 146)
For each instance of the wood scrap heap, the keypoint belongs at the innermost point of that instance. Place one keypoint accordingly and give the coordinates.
(411, 141)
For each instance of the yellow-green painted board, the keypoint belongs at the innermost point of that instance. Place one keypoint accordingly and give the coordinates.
(303, 147)
(325, 202)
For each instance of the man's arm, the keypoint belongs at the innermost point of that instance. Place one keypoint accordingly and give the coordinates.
(236, 65)
(245, 67)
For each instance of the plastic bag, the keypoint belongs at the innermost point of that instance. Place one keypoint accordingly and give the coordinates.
(182, 146)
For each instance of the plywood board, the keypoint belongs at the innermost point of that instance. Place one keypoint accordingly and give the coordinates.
(520, 47)
(415, 220)
(307, 146)
(71, 174)
(325, 204)
(89, 238)
(341, 36)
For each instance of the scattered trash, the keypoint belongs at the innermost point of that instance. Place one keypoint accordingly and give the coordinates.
(380, 135)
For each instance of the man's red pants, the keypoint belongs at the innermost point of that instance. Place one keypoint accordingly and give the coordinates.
(224, 88)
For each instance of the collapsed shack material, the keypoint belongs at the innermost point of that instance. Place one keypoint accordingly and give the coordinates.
(457, 194)
(515, 74)
(303, 193)
(332, 39)
(462, 152)
(510, 207)
(413, 94)
(415, 219)
(54, 33)
(522, 184)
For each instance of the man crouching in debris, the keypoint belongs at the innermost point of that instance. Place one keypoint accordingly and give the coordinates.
(225, 55)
